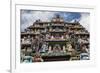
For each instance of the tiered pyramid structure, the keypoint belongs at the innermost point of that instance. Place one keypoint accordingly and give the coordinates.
(56, 40)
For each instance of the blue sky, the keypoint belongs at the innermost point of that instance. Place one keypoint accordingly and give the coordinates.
(28, 17)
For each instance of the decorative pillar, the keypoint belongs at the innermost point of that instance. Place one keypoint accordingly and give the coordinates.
(64, 49)
(50, 49)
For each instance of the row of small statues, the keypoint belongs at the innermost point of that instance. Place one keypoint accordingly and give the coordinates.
(55, 51)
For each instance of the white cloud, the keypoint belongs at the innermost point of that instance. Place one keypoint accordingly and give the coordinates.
(29, 18)
(85, 20)
(44, 16)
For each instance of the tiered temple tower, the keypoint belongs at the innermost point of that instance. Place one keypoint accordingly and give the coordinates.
(56, 40)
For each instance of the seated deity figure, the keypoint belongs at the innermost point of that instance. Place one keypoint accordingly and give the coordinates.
(28, 40)
(47, 36)
(57, 48)
(29, 50)
(71, 50)
(84, 49)
(79, 40)
(37, 57)
(38, 32)
(23, 40)
(66, 36)
(44, 47)
(69, 47)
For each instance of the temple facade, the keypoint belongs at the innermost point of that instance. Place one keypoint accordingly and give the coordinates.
(56, 40)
